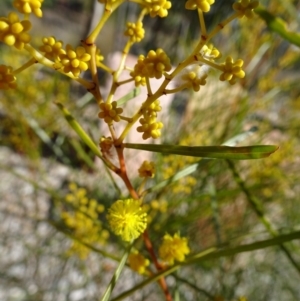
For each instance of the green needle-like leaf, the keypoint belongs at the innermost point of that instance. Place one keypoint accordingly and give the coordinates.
(216, 152)
(79, 130)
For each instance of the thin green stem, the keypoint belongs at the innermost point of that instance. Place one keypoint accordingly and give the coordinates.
(257, 208)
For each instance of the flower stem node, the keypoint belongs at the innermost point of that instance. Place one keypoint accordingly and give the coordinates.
(203, 5)
(29, 6)
(127, 219)
(7, 79)
(147, 170)
(110, 112)
(13, 32)
(158, 7)
(232, 70)
(245, 8)
(173, 248)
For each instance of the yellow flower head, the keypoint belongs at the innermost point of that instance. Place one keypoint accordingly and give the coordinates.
(245, 8)
(7, 79)
(194, 77)
(74, 60)
(29, 6)
(135, 31)
(127, 219)
(158, 7)
(203, 5)
(110, 112)
(52, 49)
(232, 70)
(13, 32)
(138, 262)
(150, 127)
(173, 248)
(147, 170)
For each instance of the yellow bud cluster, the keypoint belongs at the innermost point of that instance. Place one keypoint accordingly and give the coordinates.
(203, 5)
(150, 127)
(245, 8)
(110, 112)
(73, 60)
(147, 170)
(29, 6)
(194, 78)
(52, 49)
(7, 79)
(153, 66)
(158, 7)
(135, 31)
(232, 70)
(13, 32)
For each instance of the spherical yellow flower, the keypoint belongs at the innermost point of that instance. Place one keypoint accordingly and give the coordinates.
(13, 32)
(138, 262)
(7, 79)
(173, 248)
(147, 170)
(203, 5)
(29, 6)
(127, 219)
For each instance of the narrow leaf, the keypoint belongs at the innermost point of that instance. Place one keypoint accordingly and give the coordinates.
(213, 253)
(216, 152)
(277, 25)
(79, 130)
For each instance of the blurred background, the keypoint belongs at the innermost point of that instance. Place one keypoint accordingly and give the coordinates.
(49, 177)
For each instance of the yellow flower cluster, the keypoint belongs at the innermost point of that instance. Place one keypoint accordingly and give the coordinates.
(135, 31)
(147, 170)
(83, 220)
(52, 49)
(127, 219)
(138, 262)
(110, 112)
(73, 60)
(150, 127)
(13, 32)
(232, 70)
(194, 78)
(173, 248)
(7, 79)
(210, 52)
(203, 5)
(29, 6)
(154, 65)
(158, 7)
(245, 8)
